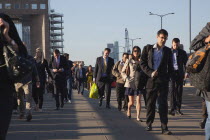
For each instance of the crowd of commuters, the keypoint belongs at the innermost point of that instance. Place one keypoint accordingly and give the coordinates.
(154, 73)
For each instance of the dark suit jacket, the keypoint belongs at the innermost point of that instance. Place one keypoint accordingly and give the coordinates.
(59, 76)
(83, 74)
(99, 69)
(181, 61)
(164, 70)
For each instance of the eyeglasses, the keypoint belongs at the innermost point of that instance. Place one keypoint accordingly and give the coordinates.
(135, 51)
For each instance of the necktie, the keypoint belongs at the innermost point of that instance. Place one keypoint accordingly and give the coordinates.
(57, 64)
(105, 65)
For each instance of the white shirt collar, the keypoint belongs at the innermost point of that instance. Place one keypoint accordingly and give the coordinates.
(155, 46)
(104, 57)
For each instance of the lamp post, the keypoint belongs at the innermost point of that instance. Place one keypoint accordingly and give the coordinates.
(133, 40)
(190, 23)
(161, 16)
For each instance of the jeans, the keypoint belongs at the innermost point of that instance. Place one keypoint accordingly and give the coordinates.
(207, 126)
(80, 86)
(69, 87)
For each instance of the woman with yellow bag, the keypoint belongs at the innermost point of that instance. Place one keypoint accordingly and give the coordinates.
(89, 76)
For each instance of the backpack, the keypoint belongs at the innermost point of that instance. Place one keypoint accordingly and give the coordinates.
(201, 79)
(18, 67)
(197, 60)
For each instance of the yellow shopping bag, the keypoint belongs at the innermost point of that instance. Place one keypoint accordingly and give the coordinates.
(94, 92)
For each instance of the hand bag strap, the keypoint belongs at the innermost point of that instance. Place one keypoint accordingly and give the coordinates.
(11, 50)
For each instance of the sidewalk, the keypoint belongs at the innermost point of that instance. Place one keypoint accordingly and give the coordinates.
(84, 120)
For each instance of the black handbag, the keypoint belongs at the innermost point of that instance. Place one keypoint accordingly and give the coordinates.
(18, 67)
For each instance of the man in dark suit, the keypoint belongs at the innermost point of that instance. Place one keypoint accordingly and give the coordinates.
(80, 77)
(103, 74)
(179, 57)
(156, 62)
(58, 64)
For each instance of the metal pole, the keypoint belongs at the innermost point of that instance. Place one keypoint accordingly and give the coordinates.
(190, 23)
(132, 43)
(161, 17)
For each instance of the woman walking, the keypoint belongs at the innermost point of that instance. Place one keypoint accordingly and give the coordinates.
(42, 67)
(131, 74)
(89, 76)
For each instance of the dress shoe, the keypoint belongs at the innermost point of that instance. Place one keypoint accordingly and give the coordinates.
(29, 117)
(171, 112)
(166, 132)
(202, 124)
(149, 128)
(100, 103)
(108, 107)
(21, 116)
(119, 108)
(178, 112)
(125, 108)
(57, 108)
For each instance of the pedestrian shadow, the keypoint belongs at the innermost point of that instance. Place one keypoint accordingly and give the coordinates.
(117, 123)
(51, 124)
(191, 107)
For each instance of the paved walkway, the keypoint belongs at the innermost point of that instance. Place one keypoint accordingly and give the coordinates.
(84, 120)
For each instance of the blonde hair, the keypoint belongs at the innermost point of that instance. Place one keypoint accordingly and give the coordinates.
(36, 57)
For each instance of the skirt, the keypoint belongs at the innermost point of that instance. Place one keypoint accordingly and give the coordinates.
(132, 92)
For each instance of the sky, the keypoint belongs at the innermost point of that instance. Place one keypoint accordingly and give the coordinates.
(90, 24)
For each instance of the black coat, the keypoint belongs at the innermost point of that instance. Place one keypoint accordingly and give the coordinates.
(99, 69)
(69, 66)
(165, 68)
(42, 68)
(83, 75)
(181, 61)
(59, 76)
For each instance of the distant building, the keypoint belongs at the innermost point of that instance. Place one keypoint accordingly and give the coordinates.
(34, 23)
(114, 50)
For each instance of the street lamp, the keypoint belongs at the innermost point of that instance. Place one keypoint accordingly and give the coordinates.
(190, 23)
(161, 16)
(133, 40)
